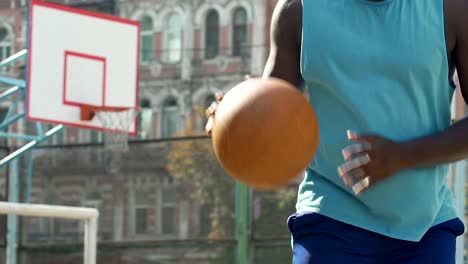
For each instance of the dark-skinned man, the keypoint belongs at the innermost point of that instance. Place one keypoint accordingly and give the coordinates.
(380, 80)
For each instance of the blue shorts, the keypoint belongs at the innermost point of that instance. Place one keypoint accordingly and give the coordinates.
(321, 240)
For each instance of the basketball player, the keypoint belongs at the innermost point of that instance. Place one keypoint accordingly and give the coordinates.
(380, 80)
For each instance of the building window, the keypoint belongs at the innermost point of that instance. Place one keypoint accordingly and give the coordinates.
(212, 34)
(208, 100)
(170, 118)
(147, 39)
(173, 39)
(94, 200)
(6, 44)
(168, 211)
(145, 119)
(239, 31)
(205, 220)
(50, 227)
(141, 213)
(95, 136)
(107, 7)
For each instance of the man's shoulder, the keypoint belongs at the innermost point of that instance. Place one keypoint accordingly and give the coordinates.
(295, 5)
(456, 12)
(288, 16)
(288, 9)
(292, 7)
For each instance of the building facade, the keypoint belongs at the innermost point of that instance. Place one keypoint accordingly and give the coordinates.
(189, 51)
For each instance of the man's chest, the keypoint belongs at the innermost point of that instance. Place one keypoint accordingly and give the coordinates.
(387, 41)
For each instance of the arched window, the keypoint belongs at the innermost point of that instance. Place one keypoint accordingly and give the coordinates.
(208, 100)
(145, 119)
(170, 117)
(6, 44)
(212, 34)
(239, 31)
(147, 39)
(173, 38)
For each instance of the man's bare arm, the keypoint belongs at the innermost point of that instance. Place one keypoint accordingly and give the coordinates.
(460, 53)
(284, 58)
(285, 51)
(452, 144)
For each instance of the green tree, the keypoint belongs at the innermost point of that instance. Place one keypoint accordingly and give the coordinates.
(271, 210)
(194, 164)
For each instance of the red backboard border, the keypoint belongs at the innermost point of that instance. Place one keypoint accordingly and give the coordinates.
(36, 3)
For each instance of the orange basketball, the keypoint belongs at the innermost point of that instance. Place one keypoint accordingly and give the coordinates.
(264, 133)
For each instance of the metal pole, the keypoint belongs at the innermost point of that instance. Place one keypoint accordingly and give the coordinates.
(10, 120)
(12, 226)
(15, 57)
(13, 186)
(30, 174)
(90, 242)
(89, 215)
(459, 188)
(242, 223)
(49, 211)
(21, 151)
(13, 81)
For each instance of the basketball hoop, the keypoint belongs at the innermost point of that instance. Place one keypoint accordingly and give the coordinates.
(116, 121)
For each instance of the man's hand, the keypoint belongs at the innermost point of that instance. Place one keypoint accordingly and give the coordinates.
(370, 160)
(210, 111)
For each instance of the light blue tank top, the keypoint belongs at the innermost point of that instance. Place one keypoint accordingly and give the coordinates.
(377, 67)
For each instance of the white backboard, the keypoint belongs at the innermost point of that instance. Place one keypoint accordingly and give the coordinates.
(78, 57)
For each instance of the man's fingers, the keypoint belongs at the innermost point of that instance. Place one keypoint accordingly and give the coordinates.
(361, 185)
(219, 96)
(353, 164)
(356, 149)
(354, 136)
(249, 76)
(209, 125)
(354, 176)
(354, 173)
(211, 109)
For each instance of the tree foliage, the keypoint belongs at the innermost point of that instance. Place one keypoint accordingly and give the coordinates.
(194, 164)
